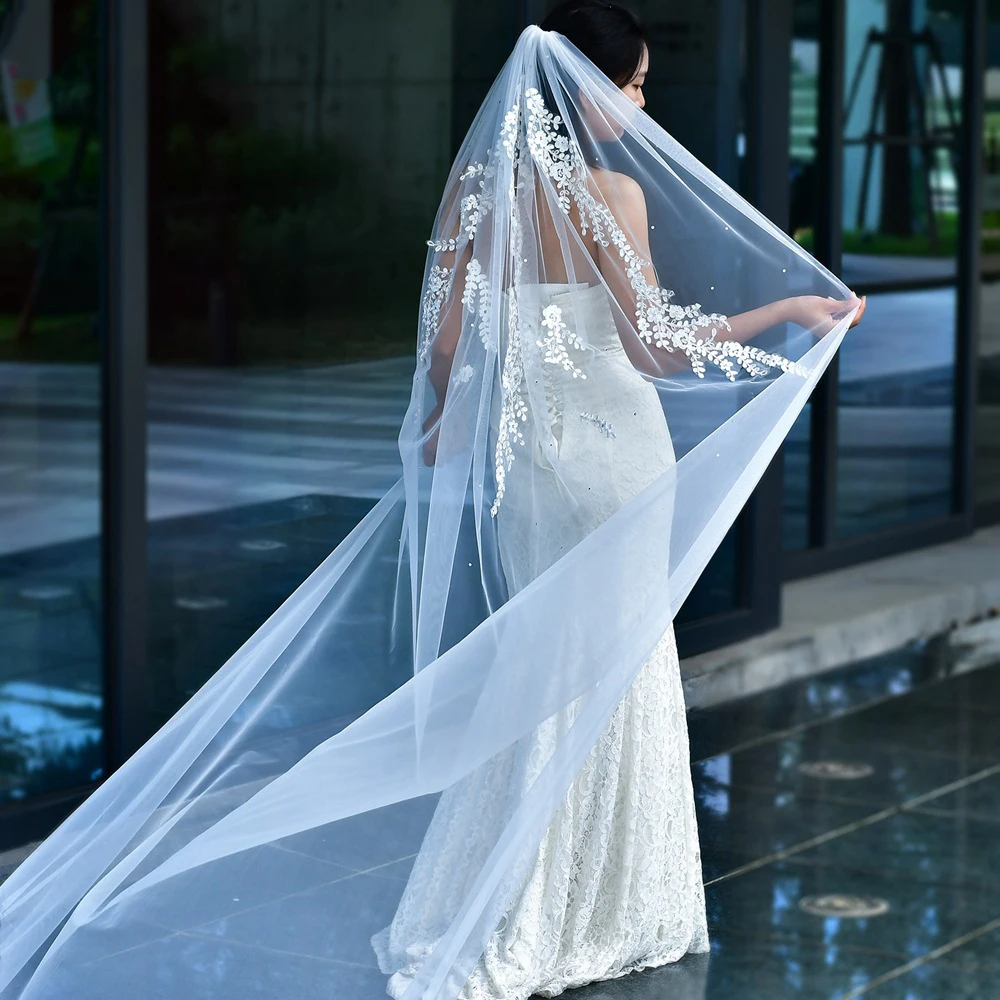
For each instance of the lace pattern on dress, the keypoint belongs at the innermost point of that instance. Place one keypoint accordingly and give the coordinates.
(661, 322)
(616, 884)
(534, 133)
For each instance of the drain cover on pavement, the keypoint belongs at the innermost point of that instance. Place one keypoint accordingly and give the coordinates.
(261, 545)
(45, 592)
(836, 770)
(835, 904)
(200, 603)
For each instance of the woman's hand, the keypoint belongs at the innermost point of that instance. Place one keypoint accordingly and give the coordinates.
(861, 311)
(822, 313)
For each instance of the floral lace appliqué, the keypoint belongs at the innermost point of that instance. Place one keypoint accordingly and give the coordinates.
(473, 209)
(438, 286)
(477, 297)
(556, 340)
(531, 133)
(661, 322)
(513, 405)
(604, 426)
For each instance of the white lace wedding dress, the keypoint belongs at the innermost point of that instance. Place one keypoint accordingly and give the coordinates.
(616, 884)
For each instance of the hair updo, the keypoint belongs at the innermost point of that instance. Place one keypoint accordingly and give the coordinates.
(610, 36)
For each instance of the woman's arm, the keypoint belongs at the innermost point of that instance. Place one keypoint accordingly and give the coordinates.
(814, 312)
(626, 201)
(449, 327)
(444, 340)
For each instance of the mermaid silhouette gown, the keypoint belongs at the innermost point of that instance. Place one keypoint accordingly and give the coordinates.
(616, 884)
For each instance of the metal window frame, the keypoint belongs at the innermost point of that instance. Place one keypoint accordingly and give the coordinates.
(828, 249)
(768, 28)
(123, 457)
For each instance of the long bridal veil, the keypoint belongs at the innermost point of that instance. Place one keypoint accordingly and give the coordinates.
(262, 839)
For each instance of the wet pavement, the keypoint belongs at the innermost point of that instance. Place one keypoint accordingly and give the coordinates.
(213, 579)
(850, 829)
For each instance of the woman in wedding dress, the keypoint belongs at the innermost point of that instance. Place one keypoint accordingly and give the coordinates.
(454, 763)
(616, 884)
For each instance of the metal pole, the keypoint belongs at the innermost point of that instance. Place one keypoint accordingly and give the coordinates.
(124, 337)
(828, 245)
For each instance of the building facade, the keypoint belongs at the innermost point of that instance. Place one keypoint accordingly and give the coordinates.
(207, 326)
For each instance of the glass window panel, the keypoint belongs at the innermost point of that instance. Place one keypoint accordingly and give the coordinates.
(903, 79)
(295, 158)
(695, 90)
(796, 492)
(282, 159)
(50, 588)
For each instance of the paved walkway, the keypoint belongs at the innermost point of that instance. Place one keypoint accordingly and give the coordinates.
(850, 831)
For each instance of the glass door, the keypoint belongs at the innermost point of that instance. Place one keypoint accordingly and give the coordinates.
(292, 156)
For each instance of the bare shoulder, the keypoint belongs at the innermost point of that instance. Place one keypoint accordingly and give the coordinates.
(619, 192)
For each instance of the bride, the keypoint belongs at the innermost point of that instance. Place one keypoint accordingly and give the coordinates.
(454, 763)
(616, 883)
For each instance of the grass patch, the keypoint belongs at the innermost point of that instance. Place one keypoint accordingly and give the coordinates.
(69, 338)
(918, 245)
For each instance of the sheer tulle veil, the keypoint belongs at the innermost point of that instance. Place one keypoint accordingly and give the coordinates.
(259, 841)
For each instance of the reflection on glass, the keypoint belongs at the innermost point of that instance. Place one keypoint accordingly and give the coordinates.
(695, 90)
(50, 604)
(288, 153)
(768, 795)
(803, 121)
(796, 490)
(900, 229)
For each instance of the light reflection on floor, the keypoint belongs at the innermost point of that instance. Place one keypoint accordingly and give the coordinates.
(902, 816)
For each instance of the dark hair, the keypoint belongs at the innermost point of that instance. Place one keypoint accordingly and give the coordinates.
(610, 36)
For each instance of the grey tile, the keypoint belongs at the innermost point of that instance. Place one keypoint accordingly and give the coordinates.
(394, 869)
(911, 722)
(921, 916)
(972, 972)
(332, 922)
(204, 967)
(980, 799)
(243, 883)
(742, 968)
(898, 773)
(919, 846)
(751, 822)
(374, 838)
(717, 862)
(978, 690)
(816, 699)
